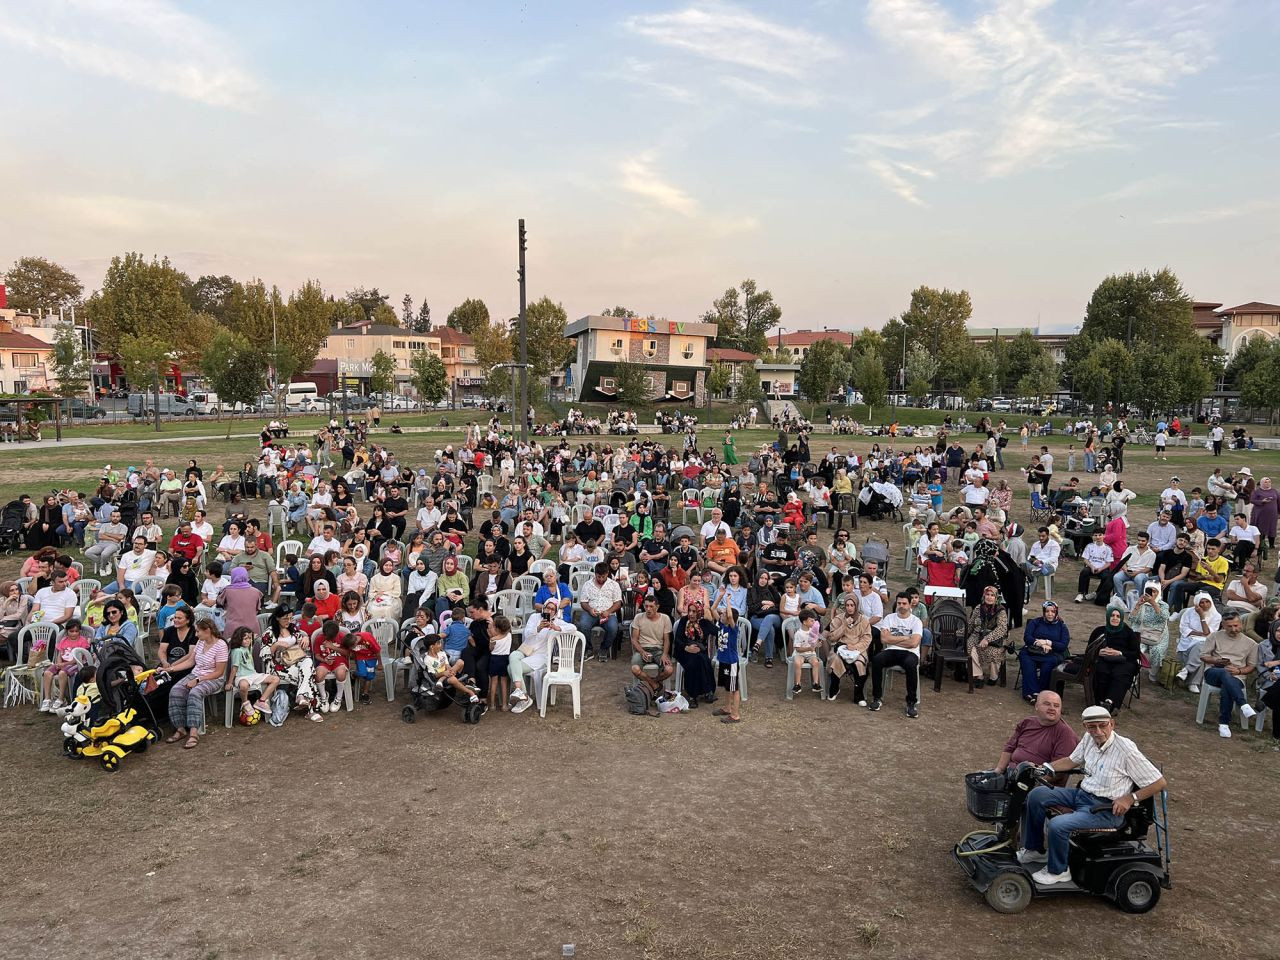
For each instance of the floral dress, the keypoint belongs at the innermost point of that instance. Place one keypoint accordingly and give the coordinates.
(1151, 624)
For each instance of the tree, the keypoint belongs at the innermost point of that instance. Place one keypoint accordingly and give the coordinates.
(428, 376)
(922, 367)
(618, 312)
(1041, 378)
(973, 391)
(235, 369)
(749, 391)
(744, 315)
(550, 351)
(72, 367)
(632, 383)
(869, 378)
(938, 319)
(307, 324)
(1024, 354)
(720, 379)
(212, 295)
(493, 345)
(823, 368)
(1260, 386)
(384, 315)
(407, 316)
(256, 314)
(383, 378)
(38, 285)
(141, 316)
(421, 322)
(1107, 372)
(343, 313)
(895, 337)
(497, 383)
(1139, 308)
(468, 316)
(369, 301)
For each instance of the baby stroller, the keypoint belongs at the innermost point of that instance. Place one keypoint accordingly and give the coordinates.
(11, 526)
(129, 725)
(431, 698)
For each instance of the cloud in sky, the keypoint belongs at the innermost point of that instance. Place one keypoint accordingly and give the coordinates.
(1027, 82)
(639, 177)
(147, 43)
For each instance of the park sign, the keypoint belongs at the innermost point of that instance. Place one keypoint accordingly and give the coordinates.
(355, 368)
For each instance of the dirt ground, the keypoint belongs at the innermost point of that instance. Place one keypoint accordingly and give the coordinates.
(812, 829)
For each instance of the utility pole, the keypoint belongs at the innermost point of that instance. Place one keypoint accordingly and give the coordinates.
(524, 348)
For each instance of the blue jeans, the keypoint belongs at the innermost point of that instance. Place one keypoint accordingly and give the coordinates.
(1090, 462)
(114, 586)
(1060, 827)
(1037, 671)
(1120, 579)
(585, 622)
(765, 627)
(1231, 691)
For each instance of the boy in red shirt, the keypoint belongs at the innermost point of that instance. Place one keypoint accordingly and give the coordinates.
(366, 651)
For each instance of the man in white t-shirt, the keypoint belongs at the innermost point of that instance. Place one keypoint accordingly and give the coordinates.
(202, 528)
(900, 632)
(132, 565)
(324, 543)
(57, 602)
(976, 493)
(708, 531)
(1244, 537)
(429, 516)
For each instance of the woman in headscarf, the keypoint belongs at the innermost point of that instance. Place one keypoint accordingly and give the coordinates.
(386, 592)
(182, 576)
(242, 601)
(451, 586)
(421, 587)
(1117, 532)
(1149, 618)
(1116, 661)
(986, 637)
(15, 612)
(315, 572)
(1266, 503)
(694, 636)
(845, 645)
(1198, 621)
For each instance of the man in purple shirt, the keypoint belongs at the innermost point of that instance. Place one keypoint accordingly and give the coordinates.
(1041, 738)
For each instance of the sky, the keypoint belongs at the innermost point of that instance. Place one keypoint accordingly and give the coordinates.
(839, 153)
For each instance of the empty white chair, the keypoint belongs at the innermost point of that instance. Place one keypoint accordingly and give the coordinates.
(384, 631)
(565, 670)
(528, 584)
(539, 567)
(22, 682)
(286, 547)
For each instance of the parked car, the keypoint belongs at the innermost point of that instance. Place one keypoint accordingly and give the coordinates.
(77, 409)
(983, 405)
(1002, 405)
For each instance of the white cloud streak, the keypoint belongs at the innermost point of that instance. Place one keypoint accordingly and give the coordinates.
(1039, 87)
(639, 177)
(151, 44)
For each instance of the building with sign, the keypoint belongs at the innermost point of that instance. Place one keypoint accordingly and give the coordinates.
(346, 357)
(672, 353)
(24, 359)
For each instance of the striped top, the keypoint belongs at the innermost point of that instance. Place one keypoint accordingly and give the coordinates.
(1113, 769)
(209, 656)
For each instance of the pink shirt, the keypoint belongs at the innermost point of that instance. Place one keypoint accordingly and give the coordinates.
(1117, 536)
(66, 645)
(207, 657)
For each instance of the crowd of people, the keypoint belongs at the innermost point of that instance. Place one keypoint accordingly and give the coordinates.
(493, 556)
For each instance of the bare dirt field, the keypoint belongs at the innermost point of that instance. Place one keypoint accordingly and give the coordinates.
(811, 829)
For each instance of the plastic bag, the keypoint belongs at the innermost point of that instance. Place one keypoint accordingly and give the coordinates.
(673, 704)
(279, 708)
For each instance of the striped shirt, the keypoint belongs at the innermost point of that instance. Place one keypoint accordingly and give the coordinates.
(1113, 769)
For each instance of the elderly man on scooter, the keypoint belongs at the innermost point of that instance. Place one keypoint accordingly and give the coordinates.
(1113, 767)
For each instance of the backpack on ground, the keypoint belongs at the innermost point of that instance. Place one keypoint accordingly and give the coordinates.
(639, 698)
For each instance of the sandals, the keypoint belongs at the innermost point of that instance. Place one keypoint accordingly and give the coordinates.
(174, 738)
(191, 742)
(729, 719)
(719, 712)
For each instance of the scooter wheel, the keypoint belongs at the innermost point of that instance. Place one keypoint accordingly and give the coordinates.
(471, 713)
(69, 746)
(408, 714)
(1010, 892)
(110, 762)
(1137, 891)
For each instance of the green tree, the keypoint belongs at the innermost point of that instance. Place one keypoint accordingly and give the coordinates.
(469, 316)
(1245, 358)
(308, 324)
(145, 359)
(1260, 385)
(497, 383)
(36, 285)
(428, 376)
(235, 369)
(1106, 373)
(895, 336)
(212, 295)
(1023, 355)
(493, 345)
(720, 379)
(744, 315)
(922, 367)
(1040, 379)
(550, 351)
(422, 319)
(869, 378)
(938, 319)
(255, 313)
(383, 378)
(343, 313)
(407, 316)
(823, 369)
(749, 390)
(369, 301)
(384, 315)
(973, 391)
(1139, 308)
(72, 367)
(632, 383)
(617, 312)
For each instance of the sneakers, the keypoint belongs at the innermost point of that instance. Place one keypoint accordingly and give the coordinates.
(1032, 856)
(1091, 596)
(315, 716)
(56, 705)
(796, 688)
(816, 688)
(1182, 674)
(519, 696)
(1193, 688)
(1224, 731)
(335, 705)
(46, 706)
(1247, 711)
(365, 698)
(522, 706)
(913, 710)
(1044, 878)
(1079, 598)
(874, 705)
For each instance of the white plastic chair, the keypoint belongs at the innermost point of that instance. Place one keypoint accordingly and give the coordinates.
(384, 631)
(538, 568)
(286, 547)
(148, 587)
(528, 584)
(1202, 707)
(85, 588)
(565, 670)
(22, 682)
(465, 564)
(276, 516)
(576, 579)
(789, 628)
(507, 602)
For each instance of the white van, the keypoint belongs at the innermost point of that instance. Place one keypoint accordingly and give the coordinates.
(301, 395)
(207, 402)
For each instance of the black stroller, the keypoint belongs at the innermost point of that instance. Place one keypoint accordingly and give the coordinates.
(429, 697)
